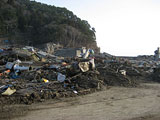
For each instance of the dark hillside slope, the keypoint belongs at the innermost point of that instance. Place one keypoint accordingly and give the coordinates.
(32, 23)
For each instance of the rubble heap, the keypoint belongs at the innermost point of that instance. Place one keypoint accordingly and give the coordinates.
(28, 75)
(155, 76)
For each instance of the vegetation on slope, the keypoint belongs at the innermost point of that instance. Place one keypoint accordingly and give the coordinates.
(37, 23)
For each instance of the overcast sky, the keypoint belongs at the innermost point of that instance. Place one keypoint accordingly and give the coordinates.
(123, 27)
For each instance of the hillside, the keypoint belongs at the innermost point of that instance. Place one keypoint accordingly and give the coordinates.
(31, 23)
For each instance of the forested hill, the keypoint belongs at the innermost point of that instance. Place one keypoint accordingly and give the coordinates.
(33, 23)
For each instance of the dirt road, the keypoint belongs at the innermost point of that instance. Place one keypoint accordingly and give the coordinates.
(116, 103)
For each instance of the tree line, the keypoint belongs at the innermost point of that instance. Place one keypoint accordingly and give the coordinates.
(40, 23)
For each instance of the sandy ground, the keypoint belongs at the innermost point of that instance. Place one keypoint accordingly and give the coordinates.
(116, 103)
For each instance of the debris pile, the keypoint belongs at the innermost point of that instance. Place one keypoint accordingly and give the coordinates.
(155, 76)
(118, 74)
(30, 75)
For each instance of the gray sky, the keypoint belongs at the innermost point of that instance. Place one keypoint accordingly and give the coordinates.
(123, 27)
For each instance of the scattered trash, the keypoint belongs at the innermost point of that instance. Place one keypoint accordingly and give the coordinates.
(9, 65)
(35, 57)
(54, 66)
(64, 64)
(123, 72)
(36, 75)
(9, 91)
(45, 80)
(1, 50)
(15, 75)
(1, 74)
(61, 77)
(86, 54)
(84, 66)
(7, 71)
(2, 86)
(75, 91)
(92, 63)
(18, 61)
(17, 67)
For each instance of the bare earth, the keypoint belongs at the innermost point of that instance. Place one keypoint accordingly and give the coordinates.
(116, 103)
